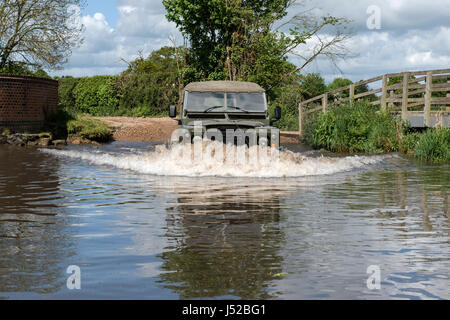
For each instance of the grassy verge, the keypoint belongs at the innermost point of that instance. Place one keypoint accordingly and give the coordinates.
(88, 128)
(362, 128)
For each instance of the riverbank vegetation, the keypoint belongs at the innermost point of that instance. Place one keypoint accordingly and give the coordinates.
(90, 129)
(363, 128)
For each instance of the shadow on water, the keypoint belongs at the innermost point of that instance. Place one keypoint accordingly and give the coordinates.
(33, 240)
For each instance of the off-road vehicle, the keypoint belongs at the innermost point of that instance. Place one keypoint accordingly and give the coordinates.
(227, 107)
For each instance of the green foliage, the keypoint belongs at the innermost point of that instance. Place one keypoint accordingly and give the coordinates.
(89, 128)
(66, 95)
(291, 94)
(433, 145)
(312, 85)
(22, 69)
(37, 33)
(95, 95)
(360, 128)
(343, 82)
(149, 86)
(213, 26)
(408, 142)
(6, 132)
(339, 83)
(235, 40)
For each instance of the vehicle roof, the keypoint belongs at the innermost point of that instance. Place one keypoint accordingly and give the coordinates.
(224, 86)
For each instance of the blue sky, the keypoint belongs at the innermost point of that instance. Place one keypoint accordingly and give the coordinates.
(107, 7)
(412, 35)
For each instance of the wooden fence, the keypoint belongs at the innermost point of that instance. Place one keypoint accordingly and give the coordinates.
(422, 91)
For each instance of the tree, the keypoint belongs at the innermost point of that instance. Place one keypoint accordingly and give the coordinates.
(237, 40)
(150, 85)
(343, 82)
(312, 85)
(38, 33)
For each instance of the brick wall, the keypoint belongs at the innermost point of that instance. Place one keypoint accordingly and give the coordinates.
(24, 102)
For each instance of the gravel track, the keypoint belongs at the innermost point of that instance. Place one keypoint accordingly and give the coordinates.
(156, 129)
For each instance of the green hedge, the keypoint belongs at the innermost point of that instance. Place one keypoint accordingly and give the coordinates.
(139, 95)
(96, 95)
(146, 95)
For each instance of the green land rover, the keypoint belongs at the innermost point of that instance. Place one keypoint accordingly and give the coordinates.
(229, 111)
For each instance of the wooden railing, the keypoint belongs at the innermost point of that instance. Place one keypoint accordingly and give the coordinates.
(396, 97)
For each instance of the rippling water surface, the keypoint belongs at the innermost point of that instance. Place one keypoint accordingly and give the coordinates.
(142, 225)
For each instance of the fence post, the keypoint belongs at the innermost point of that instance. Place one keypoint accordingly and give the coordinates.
(447, 109)
(352, 94)
(324, 102)
(391, 97)
(300, 119)
(384, 93)
(428, 90)
(448, 92)
(405, 96)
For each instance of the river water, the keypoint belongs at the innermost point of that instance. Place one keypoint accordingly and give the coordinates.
(141, 225)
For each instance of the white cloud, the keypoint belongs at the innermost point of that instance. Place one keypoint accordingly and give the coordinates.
(414, 35)
(141, 27)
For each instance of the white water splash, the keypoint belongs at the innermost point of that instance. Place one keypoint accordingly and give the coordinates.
(174, 162)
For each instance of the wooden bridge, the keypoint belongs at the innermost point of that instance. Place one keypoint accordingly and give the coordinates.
(421, 97)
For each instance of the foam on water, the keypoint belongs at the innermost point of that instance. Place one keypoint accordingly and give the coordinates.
(172, 161)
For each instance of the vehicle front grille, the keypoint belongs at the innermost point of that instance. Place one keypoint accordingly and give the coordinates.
(246, 116)
(206, 116)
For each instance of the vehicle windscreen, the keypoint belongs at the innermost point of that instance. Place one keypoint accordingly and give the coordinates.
(252, 102)
(215, 102)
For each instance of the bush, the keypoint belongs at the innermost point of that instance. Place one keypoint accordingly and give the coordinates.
(66, 95)
(434, 146)
(146, 95)
(360, 128)
(409, 142)
(22, 69)
(96, 96)
(89, 128)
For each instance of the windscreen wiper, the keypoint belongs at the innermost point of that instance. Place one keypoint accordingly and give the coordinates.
(238, 108)
(230, 107)
(213, 108)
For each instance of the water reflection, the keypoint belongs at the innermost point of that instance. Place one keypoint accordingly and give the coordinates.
(225, 239)
(142, 236)
(32, 235)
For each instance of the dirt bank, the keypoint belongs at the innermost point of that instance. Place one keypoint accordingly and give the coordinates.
(156, 129)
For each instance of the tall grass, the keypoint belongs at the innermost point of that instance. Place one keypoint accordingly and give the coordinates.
(358, 128)
(362, 128)
(433, 145)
